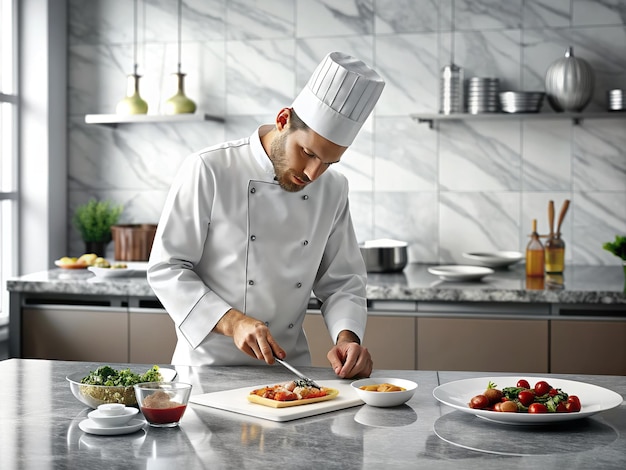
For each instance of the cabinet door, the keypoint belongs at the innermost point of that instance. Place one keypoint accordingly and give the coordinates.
(390, 340)
(588, 347)
(488, 345)
(73, 333)
(152, 336)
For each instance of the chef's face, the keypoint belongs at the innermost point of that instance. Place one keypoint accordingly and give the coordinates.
(300, 156)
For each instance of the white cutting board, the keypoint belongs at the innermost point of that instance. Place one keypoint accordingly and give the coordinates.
(236, 400)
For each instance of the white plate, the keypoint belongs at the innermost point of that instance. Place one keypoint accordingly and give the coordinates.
(593, 399)
(88, 426)
(110, 272)
(496, 259)
(460, 273)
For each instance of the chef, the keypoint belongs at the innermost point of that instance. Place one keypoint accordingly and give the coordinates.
(251, 227)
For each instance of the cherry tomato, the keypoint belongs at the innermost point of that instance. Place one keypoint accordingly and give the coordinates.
(553, 392)
(561, 408)
(526, 397)
(573, 404)
(542, 387)
(537, 408)
(479, 402)
(523, 383)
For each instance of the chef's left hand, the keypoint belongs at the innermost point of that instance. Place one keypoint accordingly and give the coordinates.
(348, 358)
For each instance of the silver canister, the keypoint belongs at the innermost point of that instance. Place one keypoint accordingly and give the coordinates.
(616, 100)
(451, 90)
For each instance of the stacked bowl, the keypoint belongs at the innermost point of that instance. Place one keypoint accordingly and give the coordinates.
(482, 95)
(521, 101)
(616, 100)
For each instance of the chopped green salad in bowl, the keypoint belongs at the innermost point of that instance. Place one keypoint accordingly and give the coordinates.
(108, 385)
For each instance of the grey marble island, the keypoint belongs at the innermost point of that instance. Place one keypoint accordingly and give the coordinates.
(40, 417)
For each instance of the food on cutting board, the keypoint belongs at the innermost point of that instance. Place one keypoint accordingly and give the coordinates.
(296, 392)
(542, 398)
(385, 387)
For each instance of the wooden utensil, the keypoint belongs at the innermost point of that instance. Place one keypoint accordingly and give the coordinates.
(564, 208)
(551, 217)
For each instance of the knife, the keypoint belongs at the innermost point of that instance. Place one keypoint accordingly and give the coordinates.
(297, 372)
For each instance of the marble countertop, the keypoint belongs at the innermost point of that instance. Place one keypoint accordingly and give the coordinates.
(43, 416)
(579, 284)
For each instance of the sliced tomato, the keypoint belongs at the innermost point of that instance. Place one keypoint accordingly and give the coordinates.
(285, 395)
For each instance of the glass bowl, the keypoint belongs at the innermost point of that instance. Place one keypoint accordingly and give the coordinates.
(163, 403)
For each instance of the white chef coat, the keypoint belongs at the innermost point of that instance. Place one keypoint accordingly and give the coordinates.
(231, 237)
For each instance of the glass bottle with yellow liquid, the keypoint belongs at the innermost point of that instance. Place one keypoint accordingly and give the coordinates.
(535, 255)
(555, 254)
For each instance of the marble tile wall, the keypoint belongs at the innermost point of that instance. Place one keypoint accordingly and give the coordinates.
(463, 186)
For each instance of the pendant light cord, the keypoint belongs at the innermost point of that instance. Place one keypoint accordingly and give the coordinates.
(180, 14)
(135, 37)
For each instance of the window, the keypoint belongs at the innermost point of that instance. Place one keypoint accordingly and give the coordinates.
(8, 149)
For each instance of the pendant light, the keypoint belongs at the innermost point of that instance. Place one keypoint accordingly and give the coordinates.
(133, 103)
(179, 103)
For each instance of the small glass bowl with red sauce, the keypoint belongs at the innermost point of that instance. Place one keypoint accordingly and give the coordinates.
(163, 403)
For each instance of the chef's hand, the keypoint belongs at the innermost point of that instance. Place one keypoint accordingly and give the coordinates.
(250, 335)
(348, 358)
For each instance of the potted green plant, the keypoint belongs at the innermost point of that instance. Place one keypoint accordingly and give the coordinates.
(94, 220)
(618, 248)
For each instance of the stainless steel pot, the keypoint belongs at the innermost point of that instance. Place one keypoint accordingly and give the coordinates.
(384, 256)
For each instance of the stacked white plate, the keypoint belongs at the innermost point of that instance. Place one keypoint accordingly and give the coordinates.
(521, 101)
(482, 95)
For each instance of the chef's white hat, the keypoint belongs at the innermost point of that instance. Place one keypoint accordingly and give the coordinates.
(339, 97)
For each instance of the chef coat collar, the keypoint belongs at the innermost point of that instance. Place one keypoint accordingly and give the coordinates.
(259, 152)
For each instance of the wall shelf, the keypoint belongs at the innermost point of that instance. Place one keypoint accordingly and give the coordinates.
(113, 120)
(576, 118)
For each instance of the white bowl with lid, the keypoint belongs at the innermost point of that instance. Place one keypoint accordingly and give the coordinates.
(121, 418)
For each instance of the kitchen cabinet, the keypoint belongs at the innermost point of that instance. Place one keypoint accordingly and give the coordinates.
(495, 345)
(588, 347)
(390, 340)
(152, 336)
(75, 333)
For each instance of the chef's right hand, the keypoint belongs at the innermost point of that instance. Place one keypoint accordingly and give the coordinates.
(250, 335)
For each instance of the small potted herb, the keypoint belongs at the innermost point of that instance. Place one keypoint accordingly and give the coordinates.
(94, 220)
(618, 248)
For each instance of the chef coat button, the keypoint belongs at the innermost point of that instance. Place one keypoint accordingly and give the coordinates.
(305, 197)
(305, 242)
(298, 285)
(290, 325)
(251, 282)
(267, 323)
(253, 237)
(253, 190)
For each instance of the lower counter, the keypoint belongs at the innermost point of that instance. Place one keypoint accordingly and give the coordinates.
(64, 316)
(454, 336)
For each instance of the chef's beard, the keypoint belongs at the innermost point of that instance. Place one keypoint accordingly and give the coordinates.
(278, 156)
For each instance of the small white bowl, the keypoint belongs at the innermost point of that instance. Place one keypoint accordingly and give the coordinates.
(112, 409)
(385, 399)
(108, 421)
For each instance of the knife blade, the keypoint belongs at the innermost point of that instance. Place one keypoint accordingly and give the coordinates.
(297, 372)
